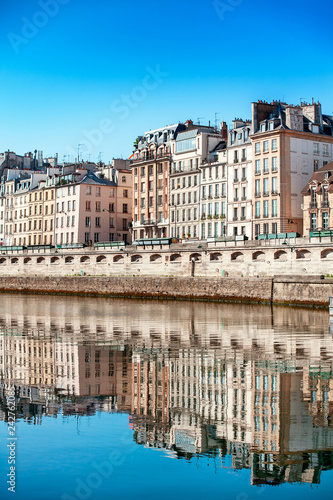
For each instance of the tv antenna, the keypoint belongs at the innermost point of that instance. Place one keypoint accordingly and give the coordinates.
(200, 118)
(78, 152)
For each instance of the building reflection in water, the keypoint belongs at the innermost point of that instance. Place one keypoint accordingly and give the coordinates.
(248, 386)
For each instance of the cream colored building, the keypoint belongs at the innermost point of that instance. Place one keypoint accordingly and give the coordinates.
(240, 179)
(318, 201)
(289, 144)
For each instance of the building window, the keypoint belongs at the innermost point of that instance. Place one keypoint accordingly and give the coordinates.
(266, 168)
(257, 229)
(266, 148)
(111, 207)
(274, 185)
(316, 148)
(266, 190)
(96, 237)
(125, 208)
(98, 206)
(257, 148)
(97, 222)
(88, 191)
(266, 208)
(274, 208)
(88, 222)
(315, 165)
(274, 228)
(257, 207)
(86, 238)
(313, 221)
(257, 187)
(257, 166)
(274, 164)
(98, 191)
(266, 228)
(88, 206)
(325, 149)
(111, 222)
(274, 145)
(124, 224)
(325, 220)
(111, 194)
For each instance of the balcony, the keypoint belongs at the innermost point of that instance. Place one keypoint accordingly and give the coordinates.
(243, 158)
(313, 204)
(149, 222)
(236, 179)
(324, 204)
(236, 199)
(244, 179)
(265, 193)
(244, 198)
(151, 156)
(257, 194)
(235, 218)
(266, 216)
(243, 217)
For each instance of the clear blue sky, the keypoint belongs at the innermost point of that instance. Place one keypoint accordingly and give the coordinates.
(78, 74)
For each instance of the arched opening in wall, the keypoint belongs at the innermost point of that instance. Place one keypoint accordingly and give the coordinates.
(237, 256)
(215, 256)
(156, 258)
(136, 258)
(69, 260)
(195, 256)
(85, 260)
(40, 260)
(2, 261)
(303, 254)
(55, 260)
(327, 254)
(280, 255)
(101, 259)
(175, 257)
(27, 260)
(14, 261)
(260, 256)
(118, 259)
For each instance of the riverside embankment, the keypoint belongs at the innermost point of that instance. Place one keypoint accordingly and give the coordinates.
(289, 290)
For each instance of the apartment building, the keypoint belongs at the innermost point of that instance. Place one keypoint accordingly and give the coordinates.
(318, 201)
(213, 196)
(289, 143)
(190, 150)
(151, 167)
(239, 216)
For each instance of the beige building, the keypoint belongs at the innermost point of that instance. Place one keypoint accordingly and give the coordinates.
(318, 201)
(191, 160)
(289, 144)
(239, 211)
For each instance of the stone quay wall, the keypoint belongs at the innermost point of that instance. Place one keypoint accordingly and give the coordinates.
(308, 291)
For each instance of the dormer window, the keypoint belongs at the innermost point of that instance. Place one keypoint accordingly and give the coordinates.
(271, 126)
(263, 127)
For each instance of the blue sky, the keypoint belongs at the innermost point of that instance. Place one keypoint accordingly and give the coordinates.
(100, 72)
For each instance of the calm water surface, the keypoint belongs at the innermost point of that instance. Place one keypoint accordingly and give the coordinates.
(118, 399)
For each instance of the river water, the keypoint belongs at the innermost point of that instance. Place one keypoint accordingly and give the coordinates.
(112, 399)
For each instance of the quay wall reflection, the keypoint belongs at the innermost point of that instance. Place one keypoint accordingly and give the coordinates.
(250, 386)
